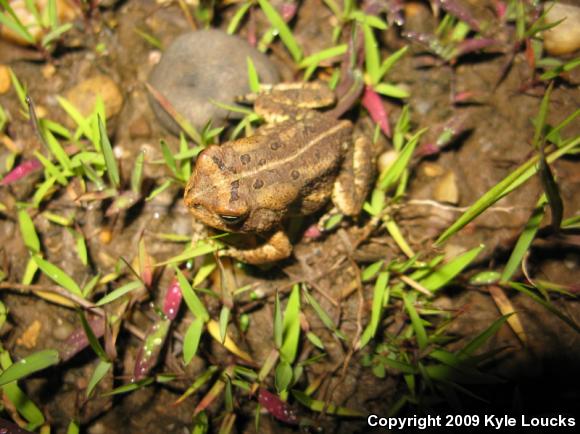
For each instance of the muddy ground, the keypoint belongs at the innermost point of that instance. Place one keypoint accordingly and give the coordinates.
(540, 378)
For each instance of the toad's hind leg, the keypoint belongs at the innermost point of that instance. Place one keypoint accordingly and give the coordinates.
(285, 101)
(276, 247)
(354, 182)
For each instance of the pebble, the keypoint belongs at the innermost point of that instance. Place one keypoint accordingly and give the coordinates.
(565, 37)
(386, 160)
(445, 189)
(4, 79)
(202, 66)
(432, 170)
(62, 330)
(84, 95)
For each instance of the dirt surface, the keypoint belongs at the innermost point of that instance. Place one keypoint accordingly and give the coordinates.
(538, 378)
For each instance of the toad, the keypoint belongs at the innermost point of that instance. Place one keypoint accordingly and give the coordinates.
(294, 164)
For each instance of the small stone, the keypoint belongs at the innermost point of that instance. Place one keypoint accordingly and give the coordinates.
(62, 331)
(446, 190)
(154, 57)
(565, 37)
(84, 95)
(432, 170)
(201, 67)
(41, 111)
(105, 236)
(386, 160)
(5, 82)
(48, 70)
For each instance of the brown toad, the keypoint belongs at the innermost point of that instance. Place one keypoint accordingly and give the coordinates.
(292, 166)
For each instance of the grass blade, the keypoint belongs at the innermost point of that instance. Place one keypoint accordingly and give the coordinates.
(291, 326)
(191, 299)
(416, 321)
(119, 292)
(17, 27)
(107, 150)
(278, 328)
(480, 339)
(285, 33)
(525, 240)
(253, 79)
(98, 374)
(137, 173)
(552, 192)
(191, 340)
(380, 294)
(28, 231)
(324, 406)
(443, 275)
(546, 304)
(328, 53)
(58, 275)
(372, 56)
(29, 365)
(394, 172)
(504, 187)
(237, 18)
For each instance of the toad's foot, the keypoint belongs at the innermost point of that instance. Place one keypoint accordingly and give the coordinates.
(276, 247)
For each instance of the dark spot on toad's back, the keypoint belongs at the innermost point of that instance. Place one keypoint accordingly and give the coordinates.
(245, 158)
(258, 183)
(275, 145)
(219, 163)
(262, 162)
(295, 174)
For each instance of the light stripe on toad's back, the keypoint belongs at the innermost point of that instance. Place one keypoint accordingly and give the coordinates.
(282, 160)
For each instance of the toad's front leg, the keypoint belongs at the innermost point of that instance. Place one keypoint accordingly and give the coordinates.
(277, 246)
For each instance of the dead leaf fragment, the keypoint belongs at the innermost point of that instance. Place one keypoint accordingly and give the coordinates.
(30, 335)
(506, 308)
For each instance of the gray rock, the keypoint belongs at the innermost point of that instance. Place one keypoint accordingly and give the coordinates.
(202, 66)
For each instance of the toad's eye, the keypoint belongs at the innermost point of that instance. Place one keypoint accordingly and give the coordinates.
(232, 219)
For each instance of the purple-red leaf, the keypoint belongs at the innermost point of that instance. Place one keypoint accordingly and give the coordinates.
(500, 9)
(277, 408)
(149, 351)
(463, 96)
(458, 11)
(23, 169)
(445, 134)
(313, 232)
(471, 45)
(172, 300)
(374, 104)
(7, 427)
(288, 10)
(78, 341)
